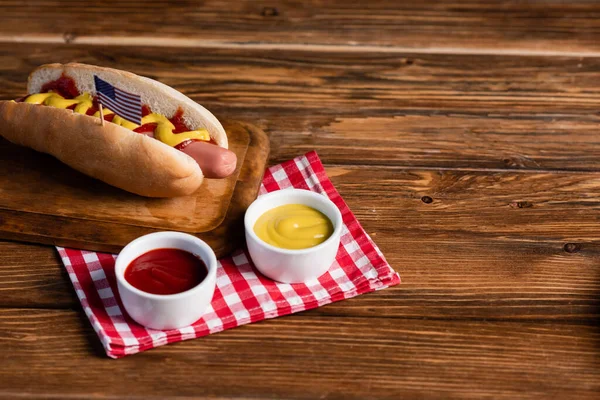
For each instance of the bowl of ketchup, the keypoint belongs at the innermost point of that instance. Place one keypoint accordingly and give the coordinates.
(166, 280)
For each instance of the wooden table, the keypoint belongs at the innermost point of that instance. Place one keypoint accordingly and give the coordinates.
(465, 136)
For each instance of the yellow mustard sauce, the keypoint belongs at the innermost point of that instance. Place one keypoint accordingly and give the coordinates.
(163, 131)
(293, 227)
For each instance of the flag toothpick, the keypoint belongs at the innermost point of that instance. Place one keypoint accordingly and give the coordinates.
(101, 114)
(124, 104)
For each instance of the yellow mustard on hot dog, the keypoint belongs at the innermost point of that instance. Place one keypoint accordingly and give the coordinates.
(163, 131)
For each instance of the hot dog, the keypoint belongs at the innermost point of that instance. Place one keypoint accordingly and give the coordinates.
(177, 144)
(215, 162)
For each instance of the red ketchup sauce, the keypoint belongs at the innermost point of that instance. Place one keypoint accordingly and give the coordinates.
(177, 121)
(65, 86)
(166, 271)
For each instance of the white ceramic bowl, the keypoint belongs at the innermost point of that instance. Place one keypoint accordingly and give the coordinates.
(292, 266)
(171, 311)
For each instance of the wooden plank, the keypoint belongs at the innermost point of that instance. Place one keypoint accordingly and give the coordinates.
(351, 358)
(338, 83)
(497, 245)
(444, 26)
(439, 139)
(436, 111)
(33, 276)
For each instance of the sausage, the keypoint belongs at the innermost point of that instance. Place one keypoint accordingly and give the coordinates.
(215, 162)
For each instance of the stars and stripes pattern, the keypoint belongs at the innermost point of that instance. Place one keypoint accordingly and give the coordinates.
(124, 104)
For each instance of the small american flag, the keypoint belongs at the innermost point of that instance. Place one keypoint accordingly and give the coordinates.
(122, 103)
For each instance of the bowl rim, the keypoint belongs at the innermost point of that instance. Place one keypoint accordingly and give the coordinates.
(335, 235)
(211, 266)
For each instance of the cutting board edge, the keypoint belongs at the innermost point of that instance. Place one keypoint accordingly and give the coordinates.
(13, 224)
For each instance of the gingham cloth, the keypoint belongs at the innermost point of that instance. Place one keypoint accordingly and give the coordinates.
(242, 294)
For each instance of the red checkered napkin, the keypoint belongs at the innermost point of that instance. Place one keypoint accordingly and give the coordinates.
(242, 294)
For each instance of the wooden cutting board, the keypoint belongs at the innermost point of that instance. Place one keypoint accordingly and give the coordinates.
(44, 201)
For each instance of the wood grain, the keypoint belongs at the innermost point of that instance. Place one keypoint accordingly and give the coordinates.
(463, 135)
(33, 276)
(44, 201)
(411, 110)
(493, 245)
(338, 83)
(351, 358)
(448, 26)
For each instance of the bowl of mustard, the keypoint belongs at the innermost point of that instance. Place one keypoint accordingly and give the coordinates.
(293, 235)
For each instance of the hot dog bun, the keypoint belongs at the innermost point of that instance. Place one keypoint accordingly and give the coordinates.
(113, 154)
(159, 97)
